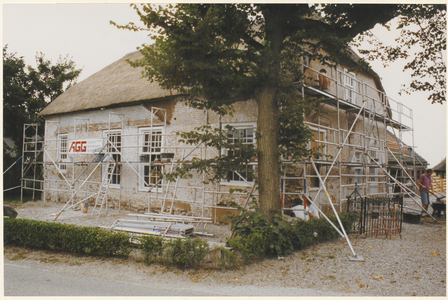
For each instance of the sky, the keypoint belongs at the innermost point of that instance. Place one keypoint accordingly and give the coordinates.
(83, 33)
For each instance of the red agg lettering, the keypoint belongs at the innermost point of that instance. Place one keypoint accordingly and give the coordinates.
(78, 146)
(72, 146)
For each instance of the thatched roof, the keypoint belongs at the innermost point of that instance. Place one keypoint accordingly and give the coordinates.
(441, 166)
(116, 84)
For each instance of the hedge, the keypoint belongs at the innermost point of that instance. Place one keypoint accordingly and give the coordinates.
(183, 253)
(65, 237)
(261, 240)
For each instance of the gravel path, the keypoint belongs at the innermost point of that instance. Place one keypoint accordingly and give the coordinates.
(412, 266)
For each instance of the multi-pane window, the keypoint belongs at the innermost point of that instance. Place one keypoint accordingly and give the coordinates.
(244, 133)
(114, 138)
(349, 84)
(62, 151)
(150, 155)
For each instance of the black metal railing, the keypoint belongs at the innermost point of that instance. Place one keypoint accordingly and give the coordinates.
(372, 209)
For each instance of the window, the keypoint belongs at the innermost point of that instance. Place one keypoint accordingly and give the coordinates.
(315, 182)
(151, 141)
(349, 84)
(244, 132)
(62, 152)
(374, 154)
(358, 170)
(373, 170)
(114, 138)
(319, 136)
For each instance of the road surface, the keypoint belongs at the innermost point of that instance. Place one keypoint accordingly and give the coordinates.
(32, 281)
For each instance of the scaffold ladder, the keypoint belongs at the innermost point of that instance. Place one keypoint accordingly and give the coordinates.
(104, 188)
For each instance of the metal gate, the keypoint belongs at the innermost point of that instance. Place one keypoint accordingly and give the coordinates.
(372, 209)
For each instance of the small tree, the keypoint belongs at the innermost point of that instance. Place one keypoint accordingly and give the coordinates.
(26, 91)
(222, 53)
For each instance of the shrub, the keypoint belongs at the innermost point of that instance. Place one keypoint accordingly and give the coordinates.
(185, 253)
(252, 246)
(255, 237)
(69, 238)
(151, 248)
(225, 258)
(281, 237)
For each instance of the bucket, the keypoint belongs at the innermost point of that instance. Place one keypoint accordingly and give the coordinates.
(412, 218)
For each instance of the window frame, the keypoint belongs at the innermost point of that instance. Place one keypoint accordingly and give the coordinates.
(349, 87)
(62, 154)
(118, 168)
(141, 145)
(243, 125)
(319, 142)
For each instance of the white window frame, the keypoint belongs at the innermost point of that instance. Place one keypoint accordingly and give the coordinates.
(117, 167)
(142, 133)
(63, 152)
(350, 86)
(248, 125)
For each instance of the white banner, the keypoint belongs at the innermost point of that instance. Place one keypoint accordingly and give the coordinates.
(85, 146)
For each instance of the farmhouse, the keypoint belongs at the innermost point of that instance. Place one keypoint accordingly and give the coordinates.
(110, 136)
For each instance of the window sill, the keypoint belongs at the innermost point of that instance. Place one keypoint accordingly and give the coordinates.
(153, 191)
(237, 183)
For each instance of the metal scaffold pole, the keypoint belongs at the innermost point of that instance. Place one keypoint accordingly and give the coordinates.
(354, 257)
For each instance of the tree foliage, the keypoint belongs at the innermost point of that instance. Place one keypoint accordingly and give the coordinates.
(422, 41)
(223, 53)
(27, 90)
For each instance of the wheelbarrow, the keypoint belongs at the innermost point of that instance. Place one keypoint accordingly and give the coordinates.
(439, 206)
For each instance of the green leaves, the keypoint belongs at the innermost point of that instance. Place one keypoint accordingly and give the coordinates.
(237, 158)
(26, 91)
(218, 54)
(421, 41)
(151, 248)
(256, 237)
(186, 253)
(69, 238)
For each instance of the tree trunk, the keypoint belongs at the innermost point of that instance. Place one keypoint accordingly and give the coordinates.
(268, 122)
(268, 168)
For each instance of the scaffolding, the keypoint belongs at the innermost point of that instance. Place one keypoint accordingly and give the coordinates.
(359, 146)
(32, 176)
